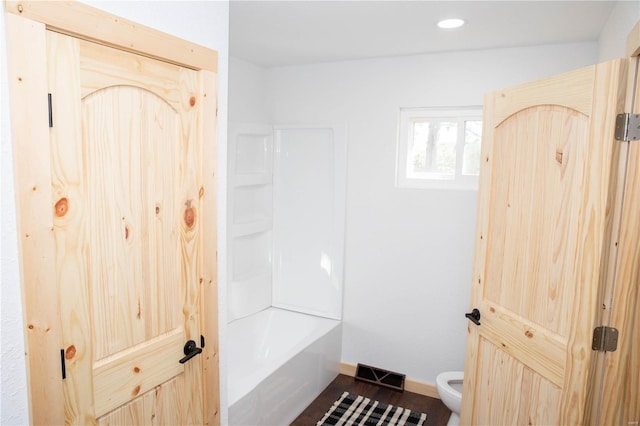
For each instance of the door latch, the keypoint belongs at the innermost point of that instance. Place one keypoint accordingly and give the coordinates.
(190, 350)
(474, 316)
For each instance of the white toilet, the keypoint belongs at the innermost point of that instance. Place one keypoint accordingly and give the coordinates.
(449, 387)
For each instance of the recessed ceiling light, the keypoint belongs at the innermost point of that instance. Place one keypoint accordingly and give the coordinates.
(450, 23)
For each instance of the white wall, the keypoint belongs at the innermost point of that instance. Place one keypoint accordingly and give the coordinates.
(408, 252)
(248, 94)
(613, 38)
(205, 23)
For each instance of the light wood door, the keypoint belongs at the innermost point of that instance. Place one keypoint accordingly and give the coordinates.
(551, 187)
(126, 166)
(617, 389)
(117, 216)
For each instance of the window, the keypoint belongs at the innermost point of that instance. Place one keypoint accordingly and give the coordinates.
(439, 148)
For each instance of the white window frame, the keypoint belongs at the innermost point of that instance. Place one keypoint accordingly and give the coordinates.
(407, 117)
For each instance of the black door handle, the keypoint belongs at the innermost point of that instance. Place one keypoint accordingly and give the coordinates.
(190, 350)
(474, 316)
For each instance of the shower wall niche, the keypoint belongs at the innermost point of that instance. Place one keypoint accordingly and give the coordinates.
(286, 214)
(250, 216)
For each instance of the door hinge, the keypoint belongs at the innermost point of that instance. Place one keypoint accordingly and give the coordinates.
(50, 110)
(605, 339)
(627, 127)
(63, 365)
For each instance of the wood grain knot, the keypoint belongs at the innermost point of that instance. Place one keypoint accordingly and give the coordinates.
(157, 209)
(31, 327)
(20, 8)
(70, 352)
(192, 100)
(201, 192)
(135, 391)
(62, 207)
(136, 370)
(559, 156)
(492, 309)
(126, 232)
(529, 334)
(190, 217)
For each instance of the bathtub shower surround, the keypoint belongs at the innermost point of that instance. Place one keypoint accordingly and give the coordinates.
(309, 188)
(279, 361)
(286, 214)
(287, 189)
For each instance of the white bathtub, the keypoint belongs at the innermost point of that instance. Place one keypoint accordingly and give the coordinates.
(278, 362)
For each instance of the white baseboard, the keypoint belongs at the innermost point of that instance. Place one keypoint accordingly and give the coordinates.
(421, 388)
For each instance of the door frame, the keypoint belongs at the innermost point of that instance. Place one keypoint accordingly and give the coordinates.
(26, 25)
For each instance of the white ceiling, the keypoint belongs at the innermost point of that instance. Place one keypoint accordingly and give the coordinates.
(279, 33)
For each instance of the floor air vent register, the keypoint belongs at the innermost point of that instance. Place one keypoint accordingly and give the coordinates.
(381, 377)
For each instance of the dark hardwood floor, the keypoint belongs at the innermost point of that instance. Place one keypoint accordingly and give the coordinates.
(437, 413)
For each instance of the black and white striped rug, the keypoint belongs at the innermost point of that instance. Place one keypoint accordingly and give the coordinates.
(356, 410)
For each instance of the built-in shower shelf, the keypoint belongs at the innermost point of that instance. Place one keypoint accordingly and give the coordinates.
(250, 179)
(249, 279)
(252, 227)
(251, 255)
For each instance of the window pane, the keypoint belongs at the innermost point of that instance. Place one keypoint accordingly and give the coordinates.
(417, 158)
(443, 154)
(439, 148)
(433, 150)
(472, 140)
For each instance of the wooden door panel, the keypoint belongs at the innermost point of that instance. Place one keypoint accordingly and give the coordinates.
(105, 67)
(157, 407)
(69, 229)
(531, 398)
(132, 210)
(135, 371)
(532, 202)
(550, 166)
(542, 351)
(566, 89)
(128, 167)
